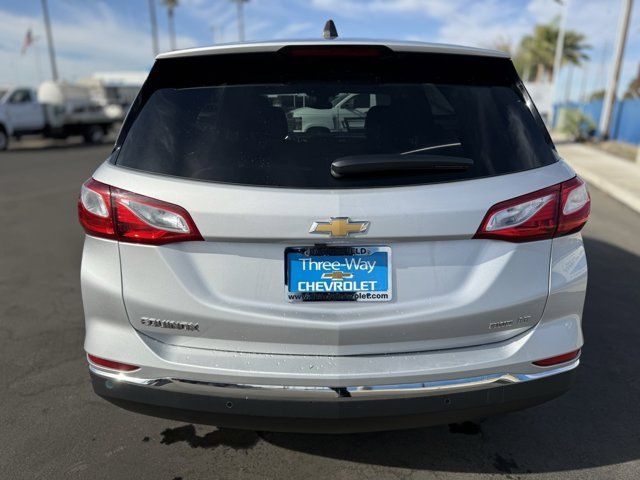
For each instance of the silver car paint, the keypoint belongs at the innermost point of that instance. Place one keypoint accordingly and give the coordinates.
(232, 278)
(449, 289)
(110, 335)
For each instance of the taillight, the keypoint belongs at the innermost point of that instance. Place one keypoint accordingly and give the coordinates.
(110, 212)
(576, 205)
(554, 211)
(112, 364)
(94, 209)
(142, 219)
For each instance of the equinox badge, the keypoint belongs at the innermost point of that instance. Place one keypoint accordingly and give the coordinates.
(339, 227)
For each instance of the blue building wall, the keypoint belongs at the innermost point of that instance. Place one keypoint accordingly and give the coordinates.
(625, 122)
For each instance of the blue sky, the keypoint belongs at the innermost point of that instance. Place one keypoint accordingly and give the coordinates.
(112, 35)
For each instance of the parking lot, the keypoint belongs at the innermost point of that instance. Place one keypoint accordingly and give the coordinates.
(53, 426)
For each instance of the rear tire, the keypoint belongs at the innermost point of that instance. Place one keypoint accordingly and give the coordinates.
(4, 139)
(93, 134)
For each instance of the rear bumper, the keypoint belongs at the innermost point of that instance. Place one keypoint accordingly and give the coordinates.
(332, 409)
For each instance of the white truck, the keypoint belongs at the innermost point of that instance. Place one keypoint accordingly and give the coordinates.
(115, 91)
(344, 112)
(56, 110)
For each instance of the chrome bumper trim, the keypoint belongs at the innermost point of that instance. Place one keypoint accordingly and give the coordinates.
(435, 387)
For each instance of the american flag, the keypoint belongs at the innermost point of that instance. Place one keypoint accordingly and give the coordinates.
(27, 42)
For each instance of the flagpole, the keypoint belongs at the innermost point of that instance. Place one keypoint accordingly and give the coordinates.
(38, 60)
(52, 53)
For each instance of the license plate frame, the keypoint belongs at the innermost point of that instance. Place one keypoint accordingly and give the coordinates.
(359, 277)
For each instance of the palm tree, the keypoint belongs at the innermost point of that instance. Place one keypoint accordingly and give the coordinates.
(171, 5)
(633, 90)
(521, 63)
(503, 44)
(538, 49)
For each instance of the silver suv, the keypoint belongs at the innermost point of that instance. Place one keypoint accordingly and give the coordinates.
(426, 267)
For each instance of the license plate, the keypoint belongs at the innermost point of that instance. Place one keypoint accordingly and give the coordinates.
(344, 273)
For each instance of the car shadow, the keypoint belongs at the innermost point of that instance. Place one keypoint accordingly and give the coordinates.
(594, 424)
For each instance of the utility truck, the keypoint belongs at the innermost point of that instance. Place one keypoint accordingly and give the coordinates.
(55, 110)
(338, 113)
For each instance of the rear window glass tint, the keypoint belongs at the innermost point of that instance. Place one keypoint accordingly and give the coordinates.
(285, 126)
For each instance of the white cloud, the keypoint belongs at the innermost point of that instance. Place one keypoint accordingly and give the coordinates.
(294, 29)
(355, 8)
(88, 39)
(481, 22)
(468, 22)
(91, 36)
(220, 17)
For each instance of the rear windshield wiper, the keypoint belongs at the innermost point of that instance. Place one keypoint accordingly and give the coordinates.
(395, 162)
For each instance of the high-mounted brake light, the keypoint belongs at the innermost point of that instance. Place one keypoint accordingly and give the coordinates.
(554, 211)
(111, 364)
(335, 51)
(110, 212)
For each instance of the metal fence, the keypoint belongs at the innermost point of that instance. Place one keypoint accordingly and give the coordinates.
(625, 124)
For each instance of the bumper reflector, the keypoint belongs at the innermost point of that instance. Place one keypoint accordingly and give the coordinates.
(565, 357)
(102, 362)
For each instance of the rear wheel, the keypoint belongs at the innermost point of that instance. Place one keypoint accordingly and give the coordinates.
(4, 139)
(94, 134)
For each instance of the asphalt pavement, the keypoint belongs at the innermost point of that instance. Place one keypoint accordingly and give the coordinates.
(52, 426)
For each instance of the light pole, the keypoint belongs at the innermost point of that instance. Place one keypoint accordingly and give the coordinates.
(583, 83)
(52, 53)
(557, 60)
(612, 87)
(240, 13)
(217, 33)
(568, 85)
(154, 26)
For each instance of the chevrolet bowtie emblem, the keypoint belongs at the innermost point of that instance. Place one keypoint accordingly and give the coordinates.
(337, 275)
(339, 227)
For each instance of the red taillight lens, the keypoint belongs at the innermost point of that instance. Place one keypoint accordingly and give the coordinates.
(557, 210)
(576, 205)
(523, 219)
(94, 209)
(109, 212)
(565, 357)
(103, 362)
(142, 219)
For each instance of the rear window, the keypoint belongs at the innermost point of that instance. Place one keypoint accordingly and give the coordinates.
(281, 119)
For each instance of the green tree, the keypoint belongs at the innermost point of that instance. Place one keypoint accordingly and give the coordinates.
(537, 51)
(633, 90)
(504, 44)
(171, 5)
